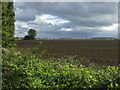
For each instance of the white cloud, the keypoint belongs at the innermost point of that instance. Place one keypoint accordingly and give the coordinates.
(21, 28)
(21, 24)
(25, 26)
(77, 28)
(16, 28)
(49, 19)
(83, 28)
(66, 29)
(113, 27)
(109, 28)
(19, 34)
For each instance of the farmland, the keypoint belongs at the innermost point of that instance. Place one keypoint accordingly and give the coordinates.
(94, 65)
(104, 52)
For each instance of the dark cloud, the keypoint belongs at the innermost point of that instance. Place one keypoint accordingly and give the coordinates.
(88, 14)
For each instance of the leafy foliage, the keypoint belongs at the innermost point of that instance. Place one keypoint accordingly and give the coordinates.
(7, 24)
(31, 35)
(28, 70)
(0, 23)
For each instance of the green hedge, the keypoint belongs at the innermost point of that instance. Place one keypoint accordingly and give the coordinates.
(7, 24)
(26, 70)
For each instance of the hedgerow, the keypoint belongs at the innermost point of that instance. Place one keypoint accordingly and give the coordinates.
(7, 22)
(27, 70)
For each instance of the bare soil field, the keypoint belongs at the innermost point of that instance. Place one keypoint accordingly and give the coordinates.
(99, 51)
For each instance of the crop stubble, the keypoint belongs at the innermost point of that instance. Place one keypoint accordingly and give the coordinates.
(98, 51)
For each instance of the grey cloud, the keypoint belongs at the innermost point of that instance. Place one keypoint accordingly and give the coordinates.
(80, 14)
(74, 12)
(25, 15)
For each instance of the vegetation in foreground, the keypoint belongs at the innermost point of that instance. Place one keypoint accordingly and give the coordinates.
(29, 70)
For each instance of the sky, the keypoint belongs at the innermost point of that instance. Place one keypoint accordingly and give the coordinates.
(67, 19)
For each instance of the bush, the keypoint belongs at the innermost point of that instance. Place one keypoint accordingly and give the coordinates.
(27, 70)
(7, 23)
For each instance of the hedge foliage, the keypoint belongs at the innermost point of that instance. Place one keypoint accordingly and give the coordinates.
(8, 24)
(27, 70)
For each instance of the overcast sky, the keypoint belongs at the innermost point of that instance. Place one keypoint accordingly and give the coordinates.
(67, 19)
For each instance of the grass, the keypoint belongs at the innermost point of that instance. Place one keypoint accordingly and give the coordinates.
(30, 70)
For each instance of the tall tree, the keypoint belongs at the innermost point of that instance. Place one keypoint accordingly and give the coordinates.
(32, 34)
(7, 24)
(0, 23)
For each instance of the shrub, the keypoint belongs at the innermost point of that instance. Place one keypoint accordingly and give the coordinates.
(7, 24)
(27, 70)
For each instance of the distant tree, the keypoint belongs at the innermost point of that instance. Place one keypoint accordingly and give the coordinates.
(27, 37)
(7, 22)
(31, 35)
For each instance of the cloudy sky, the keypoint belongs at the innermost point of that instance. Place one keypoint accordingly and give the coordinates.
(67, 19)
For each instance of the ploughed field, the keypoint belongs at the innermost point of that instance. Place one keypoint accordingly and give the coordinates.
(104, 52)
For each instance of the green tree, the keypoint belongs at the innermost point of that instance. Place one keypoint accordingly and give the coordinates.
(8, 24)
(32, 33)
(0, 23)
